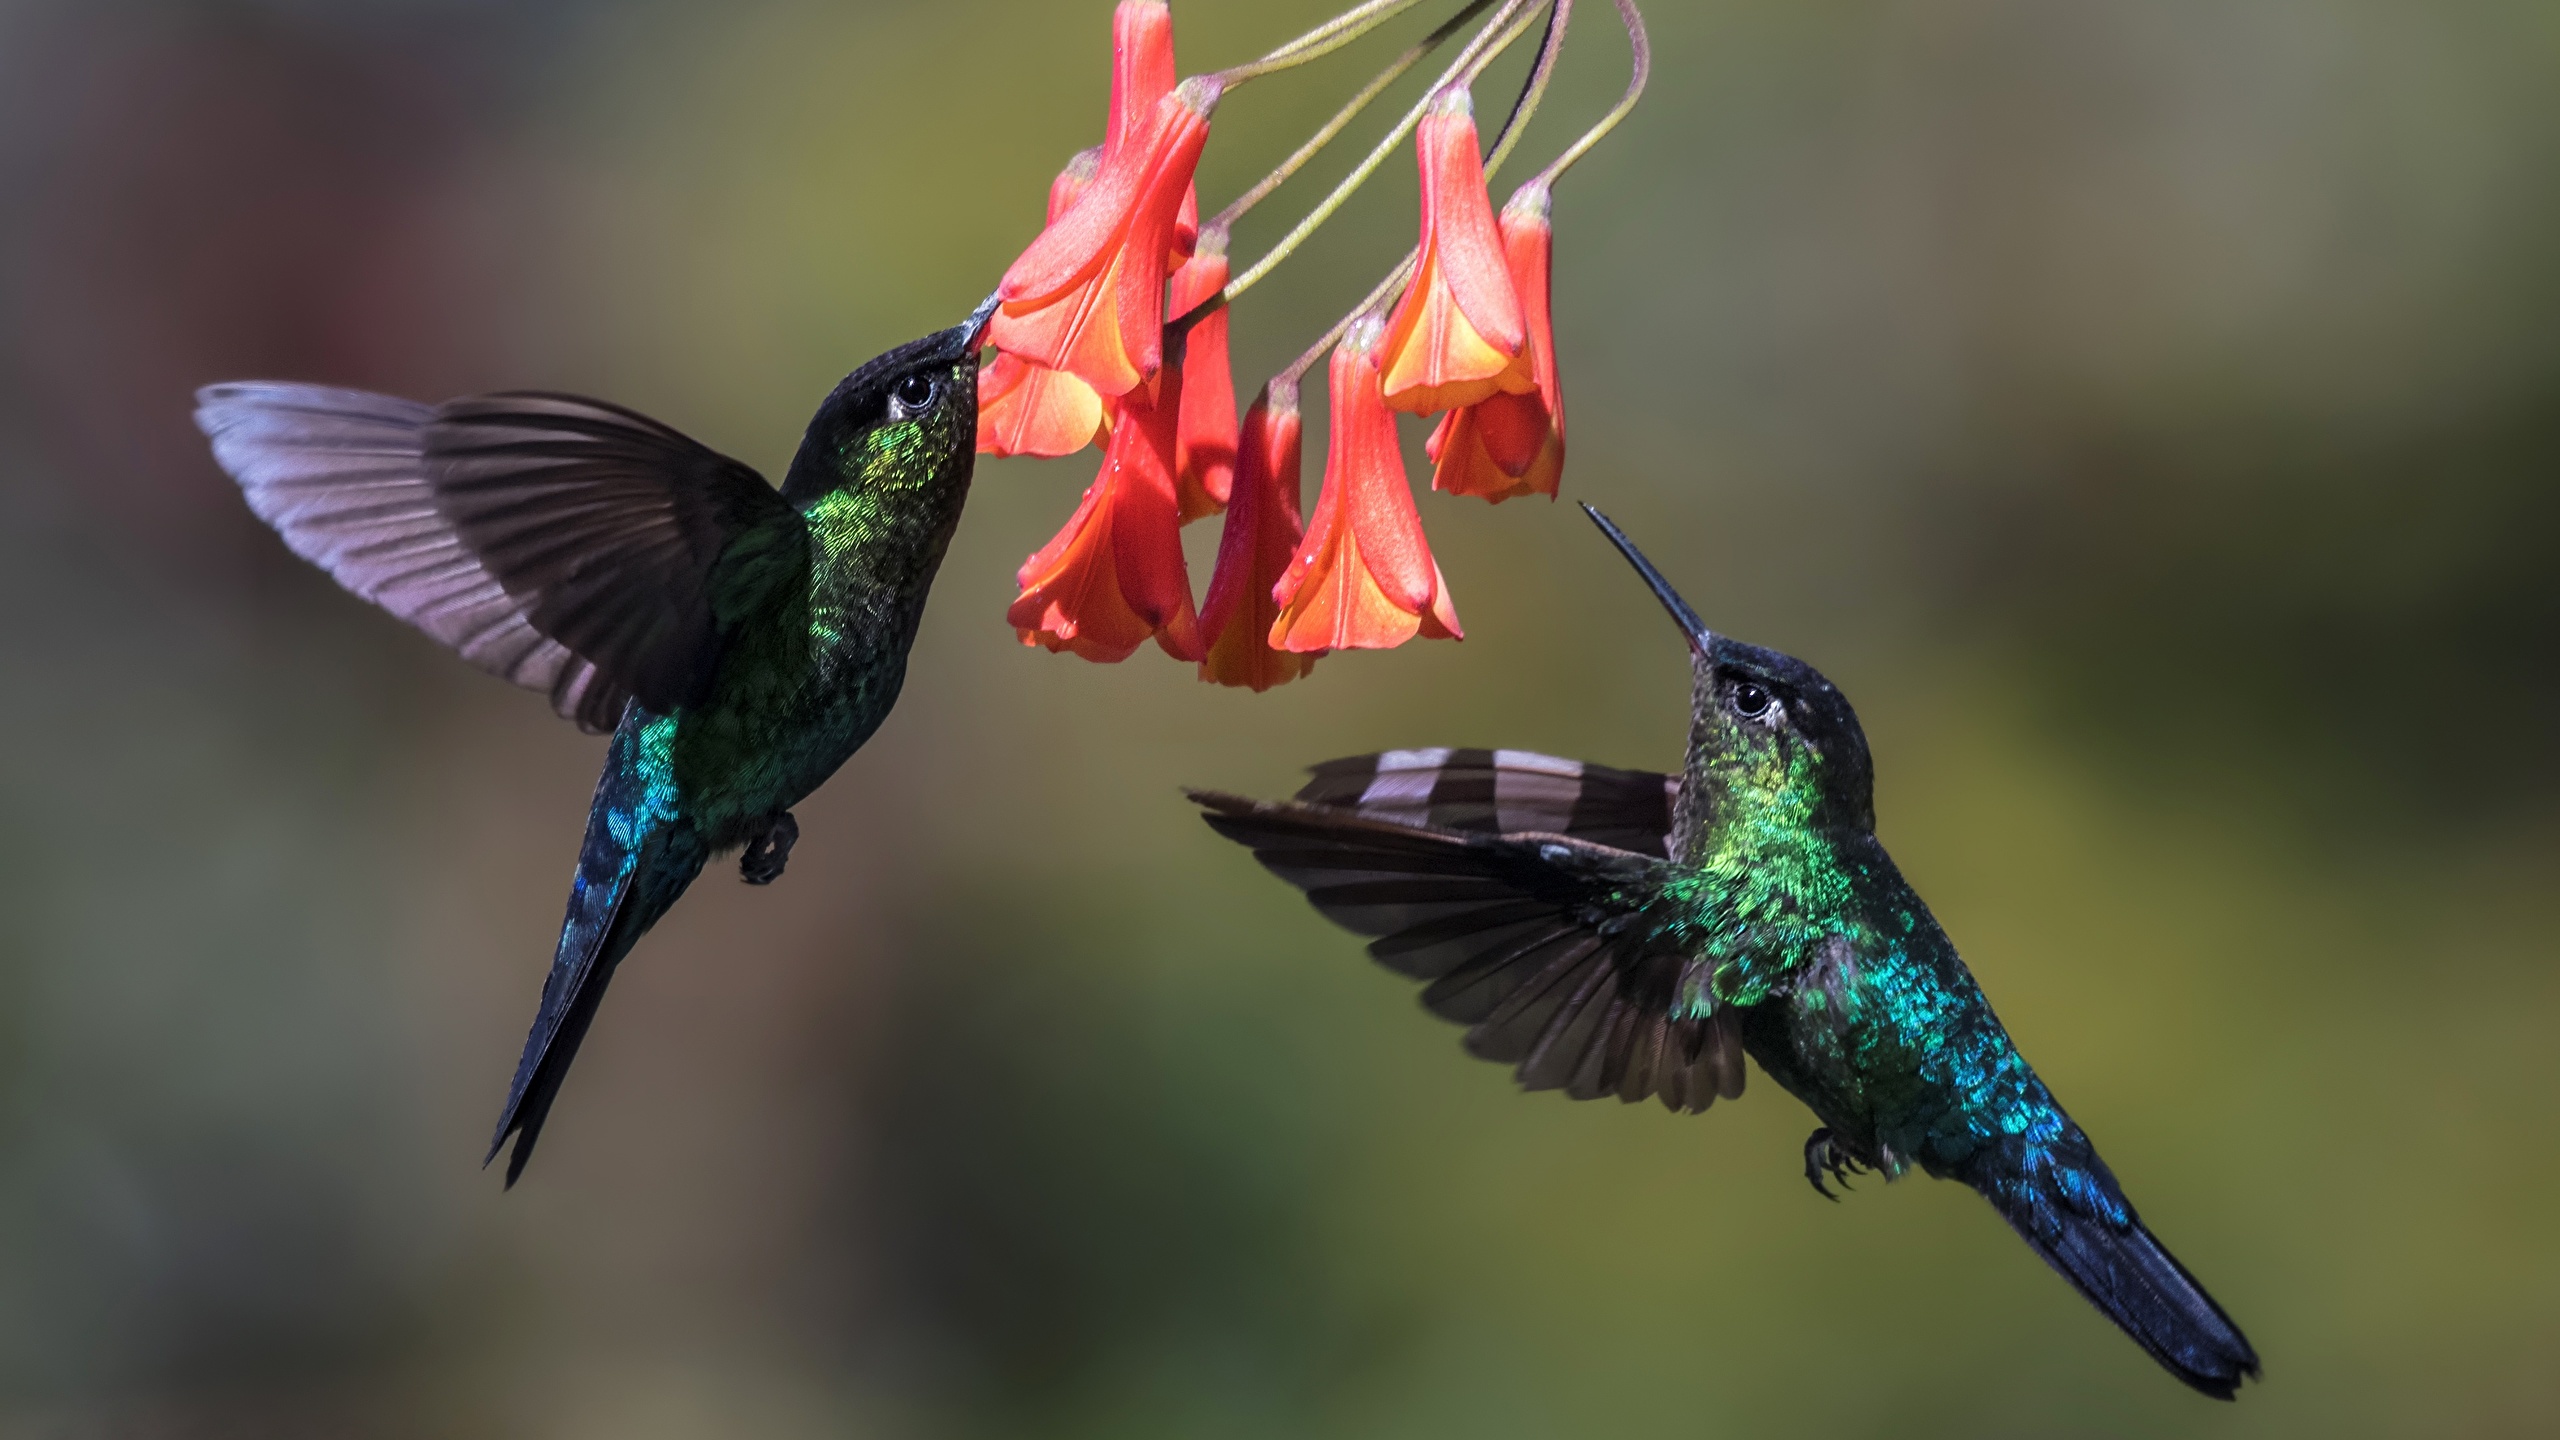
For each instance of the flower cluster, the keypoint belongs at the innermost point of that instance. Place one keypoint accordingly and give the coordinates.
(1111, 328)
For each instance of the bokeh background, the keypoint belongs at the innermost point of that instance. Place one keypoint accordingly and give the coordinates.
(2148, 410)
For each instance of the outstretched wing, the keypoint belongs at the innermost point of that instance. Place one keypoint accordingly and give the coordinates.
(1502, 792)
(1530, 940)
(571, 546)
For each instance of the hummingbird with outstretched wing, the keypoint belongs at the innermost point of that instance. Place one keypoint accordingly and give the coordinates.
(738, 641)
(1617, 932)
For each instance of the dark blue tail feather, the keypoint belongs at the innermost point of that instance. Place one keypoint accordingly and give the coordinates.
(2074, 1216)
(635, 861)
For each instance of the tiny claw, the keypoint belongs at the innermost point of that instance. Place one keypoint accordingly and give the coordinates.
(769, 849)
(1817, 1154)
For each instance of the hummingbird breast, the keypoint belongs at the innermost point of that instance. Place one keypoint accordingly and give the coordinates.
(798, 694)
(1884, 1035)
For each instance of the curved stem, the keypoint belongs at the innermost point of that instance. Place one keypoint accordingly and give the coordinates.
(1534, 89)
(1323, 40)
(1350, 111)
(1641, 63)
(1526, 104)
(1507, 25)
(1385, 291)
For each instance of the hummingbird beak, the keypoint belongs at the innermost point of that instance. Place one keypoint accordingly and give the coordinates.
(1690, 624)
(976, 325)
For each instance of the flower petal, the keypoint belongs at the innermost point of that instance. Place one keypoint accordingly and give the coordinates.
(1142, 68)
(1508, 445)
(1087, 295)
(1364, 577)
(1204, 446)
(1262, 533)
(1028, 409)
(1458, 335)
(1073, 181)
(1115, 575)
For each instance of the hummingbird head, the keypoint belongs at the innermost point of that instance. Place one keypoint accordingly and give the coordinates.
(905, 421)
(1766, 731)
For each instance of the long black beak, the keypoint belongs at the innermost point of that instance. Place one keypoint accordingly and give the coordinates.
(1690, 624)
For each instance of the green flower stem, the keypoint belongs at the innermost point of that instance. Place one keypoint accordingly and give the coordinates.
(1323, 40)
(1395, 71)
(1507, 25)
(1534, 89)
(1641, 65)
(1549, 47)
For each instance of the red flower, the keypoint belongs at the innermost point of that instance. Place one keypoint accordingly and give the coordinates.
(1114, 576)
(1088, 294)
(1254, 550)
(1458, 336)
(1364, 578)
(1029, 409)
(1204, 446)
(1142, 73)
(1506, 444)
(1142, 69)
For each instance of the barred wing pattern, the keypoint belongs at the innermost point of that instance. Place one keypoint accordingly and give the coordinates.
(1524, 938)
(566, 545)
(1502, 792)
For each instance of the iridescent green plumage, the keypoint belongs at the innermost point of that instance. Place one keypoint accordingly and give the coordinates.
(1612, 932)
(741, 643)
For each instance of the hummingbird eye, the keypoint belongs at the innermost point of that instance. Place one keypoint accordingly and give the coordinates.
(1750, 701)
(914, 396)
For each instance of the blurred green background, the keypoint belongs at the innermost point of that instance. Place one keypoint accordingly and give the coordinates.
(2147, 410)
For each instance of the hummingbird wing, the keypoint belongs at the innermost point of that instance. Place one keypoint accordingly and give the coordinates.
(568, 545)
(1530, 940)
(1502, 792)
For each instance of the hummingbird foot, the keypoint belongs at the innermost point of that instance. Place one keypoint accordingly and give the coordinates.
(1824, 1153)
(769, 849)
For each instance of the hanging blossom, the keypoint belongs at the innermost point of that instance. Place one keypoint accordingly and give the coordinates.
(1255, 550)
(1512, 444)
(1363, 578)
(1204, 440)
(1115, 576)
(1024, 407)
(1112, 327)
(1458, 336)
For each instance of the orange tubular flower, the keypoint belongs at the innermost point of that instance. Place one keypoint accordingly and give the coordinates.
(1458, 336)
(1254, 550)
(1115, 576)
(1142, 73)
(1142, 69)
(1508, 445)
(1088, 295)
(1204, 445)
(1364, 578)
(1028, 409)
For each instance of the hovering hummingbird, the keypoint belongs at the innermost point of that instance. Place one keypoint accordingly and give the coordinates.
(1615, 932)
(740, 642)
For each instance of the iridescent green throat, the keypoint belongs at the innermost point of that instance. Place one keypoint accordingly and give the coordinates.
(1759, 886)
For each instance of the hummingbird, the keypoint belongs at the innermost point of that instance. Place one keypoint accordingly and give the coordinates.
(1627, 933)
(739, 642)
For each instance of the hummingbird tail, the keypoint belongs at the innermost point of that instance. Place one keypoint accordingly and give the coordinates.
(2134, 1279)
(620, 891)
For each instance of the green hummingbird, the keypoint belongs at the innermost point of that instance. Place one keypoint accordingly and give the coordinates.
(740, 642)
(1617, 932)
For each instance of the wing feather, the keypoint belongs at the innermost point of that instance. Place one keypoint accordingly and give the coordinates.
(1529, 940)
(1501, 792)
(566, 545)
